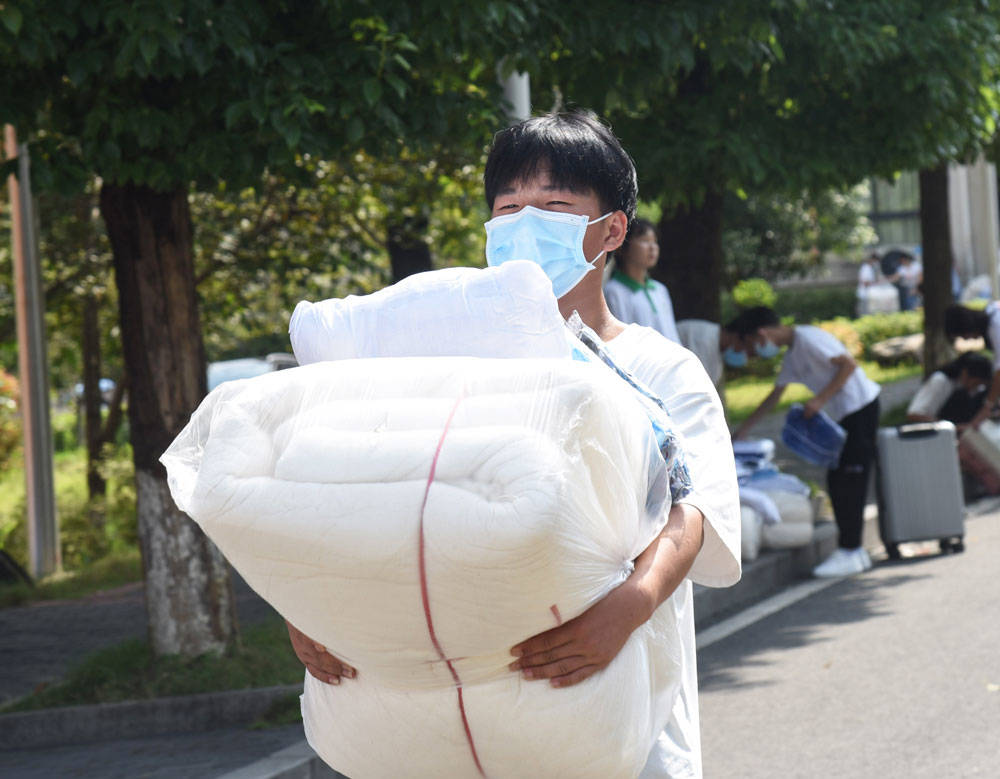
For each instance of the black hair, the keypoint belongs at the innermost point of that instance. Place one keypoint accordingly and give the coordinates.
(959, 320)
(978, 366)
(580, 153)
(751, 320)
(637, 228)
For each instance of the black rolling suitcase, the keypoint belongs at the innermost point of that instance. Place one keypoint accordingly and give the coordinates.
(919, 486)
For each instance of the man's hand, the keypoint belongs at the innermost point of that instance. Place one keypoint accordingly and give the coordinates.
(320, 663)
(570, 653)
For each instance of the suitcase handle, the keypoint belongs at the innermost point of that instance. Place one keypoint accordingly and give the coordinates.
(919, 430)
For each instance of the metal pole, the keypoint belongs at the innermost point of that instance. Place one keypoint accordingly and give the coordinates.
(43, 532)
(517, 93)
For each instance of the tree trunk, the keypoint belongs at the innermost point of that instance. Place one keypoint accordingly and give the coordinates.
(408, 252)
(91, 343)
(938, 261)
(691, 258)
(189, 596)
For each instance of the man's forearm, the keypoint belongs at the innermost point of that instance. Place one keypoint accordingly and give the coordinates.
(662, 565)
(838, 381)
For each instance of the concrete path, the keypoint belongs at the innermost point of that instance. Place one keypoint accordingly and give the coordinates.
(892, 674)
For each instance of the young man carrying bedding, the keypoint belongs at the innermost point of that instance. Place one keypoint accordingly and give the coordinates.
(566, 177)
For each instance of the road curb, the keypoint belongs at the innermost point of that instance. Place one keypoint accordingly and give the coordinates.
(295, 762)
(132, 719)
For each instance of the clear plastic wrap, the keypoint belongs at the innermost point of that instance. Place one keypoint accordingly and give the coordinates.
(420, 516)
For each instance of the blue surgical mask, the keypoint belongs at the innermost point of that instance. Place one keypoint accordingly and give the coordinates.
(551, 239)
(734, 358)
(767, 349)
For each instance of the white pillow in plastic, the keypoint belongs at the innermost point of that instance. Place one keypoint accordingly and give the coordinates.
(507, 311)
(796, 526)
(419, 517)
(751, 532)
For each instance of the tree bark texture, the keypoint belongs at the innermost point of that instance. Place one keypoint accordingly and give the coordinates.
(408, 252)
(691, 258)
(938, 261)
(91, 343)
(189, 596)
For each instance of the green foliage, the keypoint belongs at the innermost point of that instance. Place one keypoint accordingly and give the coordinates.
(773, 236)
(10, 425)
(878, 327)
(87, 531)
(843, 330)
(323, 233)
(806, 306)
(108, 572)
(753, 292)
(167, 93)
(130, 671)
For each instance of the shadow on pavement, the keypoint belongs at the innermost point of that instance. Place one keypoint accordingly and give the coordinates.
(851, 600)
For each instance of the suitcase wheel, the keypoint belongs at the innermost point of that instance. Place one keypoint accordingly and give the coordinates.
(892, 550)
(955, 545)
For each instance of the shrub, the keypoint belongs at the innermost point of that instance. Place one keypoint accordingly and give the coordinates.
(878, 327)
(807, 306)
(843, 330)
(753, 292)
(10, 427)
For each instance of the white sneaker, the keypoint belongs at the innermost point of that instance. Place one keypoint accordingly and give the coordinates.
(866, 559)
(843, 562)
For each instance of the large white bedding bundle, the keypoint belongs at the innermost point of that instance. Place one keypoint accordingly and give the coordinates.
(507, 311)
(419, 517)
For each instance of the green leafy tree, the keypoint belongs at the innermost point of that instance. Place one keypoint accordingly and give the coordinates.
(152, 96)
(777, 96)
(776, 235)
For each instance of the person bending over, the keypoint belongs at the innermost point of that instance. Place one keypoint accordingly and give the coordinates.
(818, 360)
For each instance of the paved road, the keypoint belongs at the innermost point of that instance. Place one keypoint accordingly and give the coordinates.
(39, 642)
(894, 673)
(193, 756)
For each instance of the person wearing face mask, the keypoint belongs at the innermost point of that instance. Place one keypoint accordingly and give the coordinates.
(714, 344)
(562, 191)
(631, 294)
(818, 360)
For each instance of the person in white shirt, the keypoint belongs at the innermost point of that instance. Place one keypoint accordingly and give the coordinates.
(907, 279)
(714, 345)
(954, 392)
(549, 169)
(818, 360)
(962, 322)
(632, 295)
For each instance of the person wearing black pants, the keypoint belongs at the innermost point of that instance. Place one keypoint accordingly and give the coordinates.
(848, 482)
(842, 390)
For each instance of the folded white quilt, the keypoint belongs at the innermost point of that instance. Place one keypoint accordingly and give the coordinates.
(507, 311)
(420, 516)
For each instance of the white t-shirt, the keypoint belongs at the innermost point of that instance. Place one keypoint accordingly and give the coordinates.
(909, 275)
(677, 377)
(702, 338)
(866, 276)
(647, 305)
(807, 361)
(932, 395)
(993, 331)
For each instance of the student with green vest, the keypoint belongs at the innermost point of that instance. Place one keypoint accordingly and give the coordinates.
(632, 295)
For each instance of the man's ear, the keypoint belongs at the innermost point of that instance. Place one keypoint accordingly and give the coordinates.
(617, 228)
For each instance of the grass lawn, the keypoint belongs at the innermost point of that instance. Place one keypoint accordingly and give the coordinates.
(107, 573)
(130, 671)
(744, 394)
